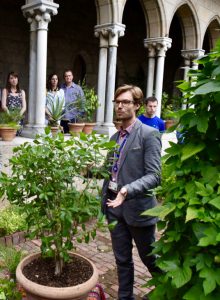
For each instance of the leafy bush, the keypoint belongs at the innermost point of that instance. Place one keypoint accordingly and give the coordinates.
(11, 220)
(50, 183)
(8, 290)
(190, 215)
(9, 259)
(91, 102)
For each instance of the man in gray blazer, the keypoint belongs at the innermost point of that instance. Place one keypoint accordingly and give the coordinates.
(135, 171)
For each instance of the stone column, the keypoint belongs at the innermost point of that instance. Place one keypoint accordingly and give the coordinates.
(39, 15)
(151, 66)
(189, 60)
(162, 45)
(115, 31)
(32, 69)
(102, 33)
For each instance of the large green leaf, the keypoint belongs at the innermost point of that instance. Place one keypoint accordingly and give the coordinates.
(160, 211)
(191, 149)
(215, 202)
(202, 122)
(210, 87)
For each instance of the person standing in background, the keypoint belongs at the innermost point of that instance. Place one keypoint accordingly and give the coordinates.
(13, 98)
(54, 93)
(72, 92)
(149, 117)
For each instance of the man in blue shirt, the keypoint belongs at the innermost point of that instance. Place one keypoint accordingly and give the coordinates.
(149, 117)
(72, 92)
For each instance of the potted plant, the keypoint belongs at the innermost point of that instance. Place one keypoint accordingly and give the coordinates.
(49, 182)
(79, 108)
(91, 104)
(54, 112)
(9, 124)
(169, 106)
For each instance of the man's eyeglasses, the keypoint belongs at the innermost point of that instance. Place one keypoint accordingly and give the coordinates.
(124, 102)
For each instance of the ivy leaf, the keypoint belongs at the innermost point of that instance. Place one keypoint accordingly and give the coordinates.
(211, 278)
(210, 87)
(209, 238)
(160, 211)
(182, 275)
(202, 122)
(193, 213)
(191, 149)
(215, 202)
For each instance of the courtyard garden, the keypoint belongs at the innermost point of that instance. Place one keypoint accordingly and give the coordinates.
(54, 191)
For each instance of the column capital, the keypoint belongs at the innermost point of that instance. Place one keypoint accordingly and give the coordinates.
(192, 54)
(112, 31)
(40, 10)
(159, 44)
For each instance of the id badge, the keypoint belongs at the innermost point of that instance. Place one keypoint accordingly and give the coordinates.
(113, 186)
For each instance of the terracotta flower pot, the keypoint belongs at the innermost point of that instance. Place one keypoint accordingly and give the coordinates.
(8, 133)
(88, 128)
(36, 291)
(76, 127)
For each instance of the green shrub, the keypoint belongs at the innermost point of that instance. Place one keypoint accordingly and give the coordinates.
(50, 183)
(189, 248)
(8, 290)
(11, 220)
(9, 259)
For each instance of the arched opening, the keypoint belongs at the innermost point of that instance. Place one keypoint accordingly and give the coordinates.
(174, 60)
(79, 68)
(131, 50)
(212, 34)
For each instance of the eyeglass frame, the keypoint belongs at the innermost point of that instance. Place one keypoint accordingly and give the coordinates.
(122, 102)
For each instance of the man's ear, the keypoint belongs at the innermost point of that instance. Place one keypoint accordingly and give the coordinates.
(137, 107)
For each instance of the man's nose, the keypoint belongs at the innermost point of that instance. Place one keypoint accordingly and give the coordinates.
(120, 104)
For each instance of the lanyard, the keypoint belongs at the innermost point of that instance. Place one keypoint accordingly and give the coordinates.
(117, 154)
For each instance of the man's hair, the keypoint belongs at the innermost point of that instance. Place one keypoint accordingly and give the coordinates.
(67, 70)
(136, 92)
(150, 99)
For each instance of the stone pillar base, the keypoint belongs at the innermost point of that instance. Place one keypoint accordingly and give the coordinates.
(106, 128)
(30, 131)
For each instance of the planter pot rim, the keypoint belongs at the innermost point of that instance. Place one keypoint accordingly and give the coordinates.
(56, 292)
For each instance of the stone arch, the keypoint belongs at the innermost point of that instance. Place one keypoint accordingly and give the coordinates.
(104, 11)
(85, 69)
(212, 34)
(188, 18)
(155, 18)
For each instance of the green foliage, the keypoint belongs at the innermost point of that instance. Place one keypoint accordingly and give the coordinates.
(190, 214)
(55, 107)
(54, 182)
(8, 290)
(91, 102)
(9, 259)
(11, 220)
(10, 119)
(168, 106)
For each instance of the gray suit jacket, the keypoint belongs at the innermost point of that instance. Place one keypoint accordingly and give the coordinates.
(139, 172)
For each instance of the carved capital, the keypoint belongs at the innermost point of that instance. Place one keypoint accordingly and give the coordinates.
(110, 31)
(40, 12)
(192, 54)
(158, 45)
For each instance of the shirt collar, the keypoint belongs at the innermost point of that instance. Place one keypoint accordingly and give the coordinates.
(128, 129)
